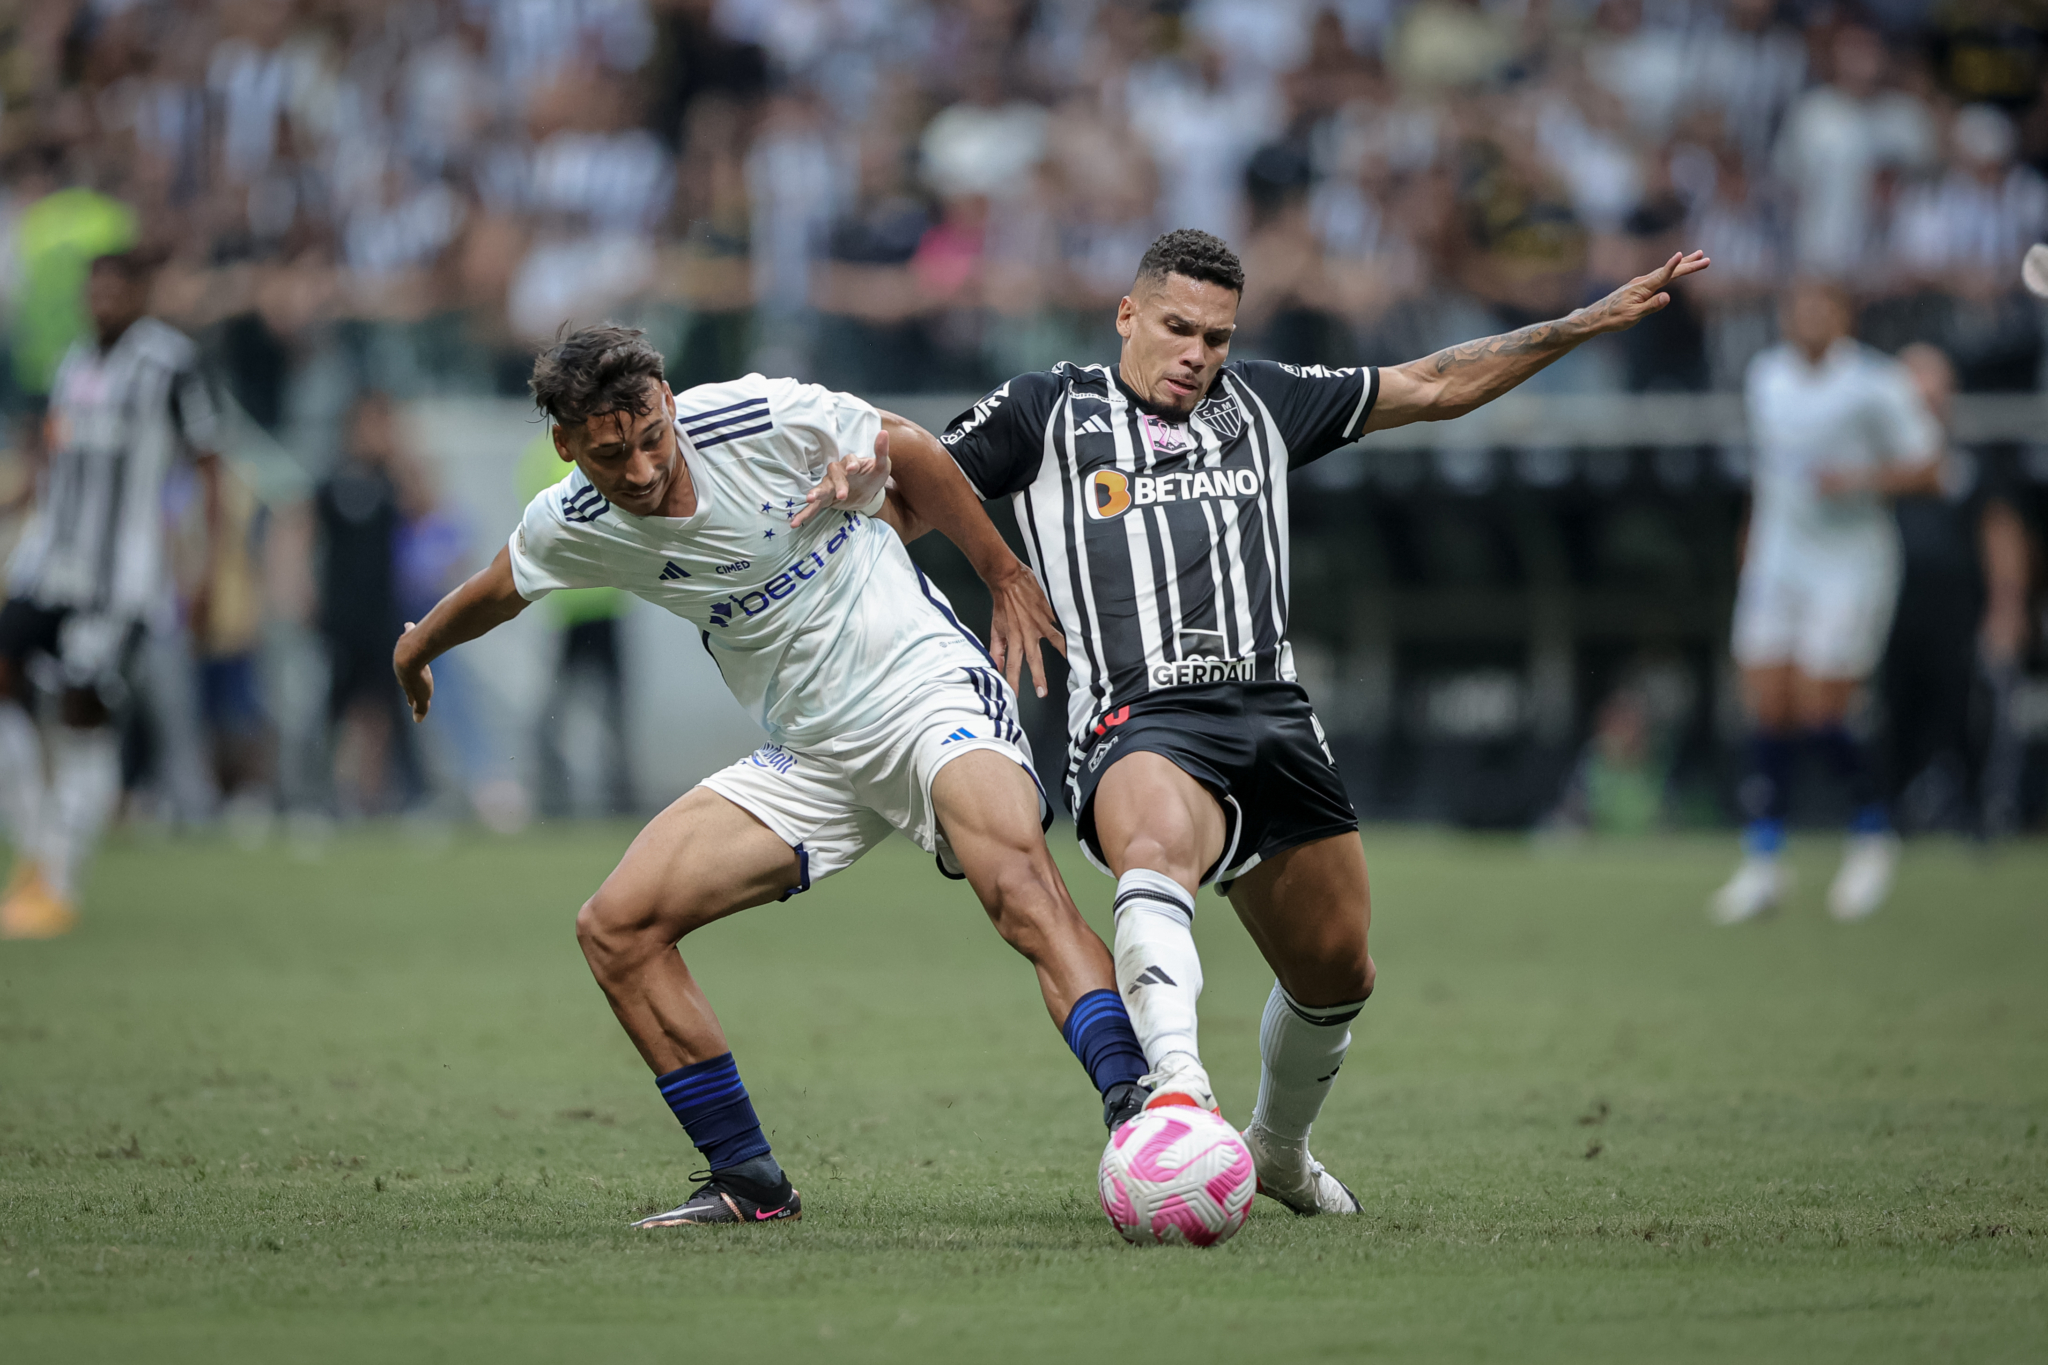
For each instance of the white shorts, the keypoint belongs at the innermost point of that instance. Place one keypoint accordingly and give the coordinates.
(834, 801)
(1828, 620)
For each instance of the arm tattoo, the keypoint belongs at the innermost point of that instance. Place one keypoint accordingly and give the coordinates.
(1542, 336)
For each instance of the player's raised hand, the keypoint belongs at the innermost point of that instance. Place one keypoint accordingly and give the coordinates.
(851, 482)
(416, 679)
(1643, 295)
(1022, 618)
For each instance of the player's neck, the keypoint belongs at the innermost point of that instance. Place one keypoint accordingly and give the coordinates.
(681, 502)
(1816, 357)
(110, 337)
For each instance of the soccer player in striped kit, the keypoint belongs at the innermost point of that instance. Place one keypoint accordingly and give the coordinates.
(1152, 495)
(128, 403)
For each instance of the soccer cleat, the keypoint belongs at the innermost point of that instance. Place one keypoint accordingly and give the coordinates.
(1865, 879)
(1289, 1176)
(32, 908)
(1121, 1103)
(725, 1199)
(1183, 1080)
(1755, 889)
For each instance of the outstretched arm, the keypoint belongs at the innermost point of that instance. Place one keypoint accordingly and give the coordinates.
(486, 600)
(1460, 378)
(933, 492)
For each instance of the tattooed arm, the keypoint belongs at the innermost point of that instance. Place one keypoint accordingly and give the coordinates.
(1460, 378)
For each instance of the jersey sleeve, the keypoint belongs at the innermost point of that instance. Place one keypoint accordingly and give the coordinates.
(548, 553)
(1317, 410)
(193, 408)
(821, 426)
(1907, 433)
(999, 442)
(804, 426)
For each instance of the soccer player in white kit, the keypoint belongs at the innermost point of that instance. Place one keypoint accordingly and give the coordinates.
(751, 509)
(1838, 429)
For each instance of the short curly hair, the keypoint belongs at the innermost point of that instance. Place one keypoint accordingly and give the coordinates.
(1195, 254)
(596, 370)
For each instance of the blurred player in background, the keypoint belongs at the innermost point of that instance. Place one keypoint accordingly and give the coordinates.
(750, 509)
(1153, 497)
(128, 401)
(1838, 429)
(1962, 627)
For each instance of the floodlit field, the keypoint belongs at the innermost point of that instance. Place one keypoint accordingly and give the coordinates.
(371, 1107)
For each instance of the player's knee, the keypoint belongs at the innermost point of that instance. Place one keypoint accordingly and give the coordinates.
(1339, 978)
(613, 941)
(1026, 905)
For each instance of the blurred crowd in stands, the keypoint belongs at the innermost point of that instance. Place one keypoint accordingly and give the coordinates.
(899, 195)
(361, 202)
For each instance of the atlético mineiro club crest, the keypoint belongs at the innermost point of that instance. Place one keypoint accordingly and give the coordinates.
(1220, 413)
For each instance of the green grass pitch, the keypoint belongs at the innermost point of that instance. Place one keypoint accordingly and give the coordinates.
(371, 1107)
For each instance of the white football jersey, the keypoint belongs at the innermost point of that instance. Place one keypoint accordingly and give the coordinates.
(1856, 410)
(817, 630)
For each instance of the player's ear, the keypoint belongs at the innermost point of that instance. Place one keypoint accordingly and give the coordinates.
(561, 443)
(1126, 316)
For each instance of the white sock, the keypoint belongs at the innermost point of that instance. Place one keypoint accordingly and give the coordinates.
(1301, 1048)
(21, 779)
(85, 782)
(1157, 969)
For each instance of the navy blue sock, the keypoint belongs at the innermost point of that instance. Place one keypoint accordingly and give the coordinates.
(1099, 1030)
(1766, 794)
(1844, 758)
(711, 1102)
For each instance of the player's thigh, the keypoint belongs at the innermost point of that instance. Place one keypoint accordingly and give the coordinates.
(987, 805)
(1767, 694)
(1770, 607)
(1148, 812)
(989, 813)
(1845, 633)
(1309, 909)
(701, 859)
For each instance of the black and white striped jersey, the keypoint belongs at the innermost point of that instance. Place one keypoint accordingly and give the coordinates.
(1162, 544)
(120, 418)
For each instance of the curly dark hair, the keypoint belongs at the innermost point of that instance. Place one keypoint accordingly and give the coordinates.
(1195, 254)
(596, 370)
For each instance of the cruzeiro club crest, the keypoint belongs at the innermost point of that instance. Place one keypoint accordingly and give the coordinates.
(1220, 413)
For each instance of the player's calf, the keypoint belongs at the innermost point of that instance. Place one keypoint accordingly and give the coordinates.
(988, 807)
(698, 861)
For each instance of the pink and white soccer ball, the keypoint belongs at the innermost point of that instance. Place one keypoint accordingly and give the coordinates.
(1177, 1174)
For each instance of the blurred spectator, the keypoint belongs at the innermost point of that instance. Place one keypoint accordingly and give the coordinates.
(1619, 783)
(56, 237)
(1836, 140)
(1955, 650)
(588, 675)
(359, 513)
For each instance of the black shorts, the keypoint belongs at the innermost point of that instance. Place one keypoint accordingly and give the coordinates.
(1257, 747)
(26, 629)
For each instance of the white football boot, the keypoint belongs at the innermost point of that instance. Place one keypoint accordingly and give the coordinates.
(1865, 879)
(1181, 1079)
(1288, 1174)
(1755, 889)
